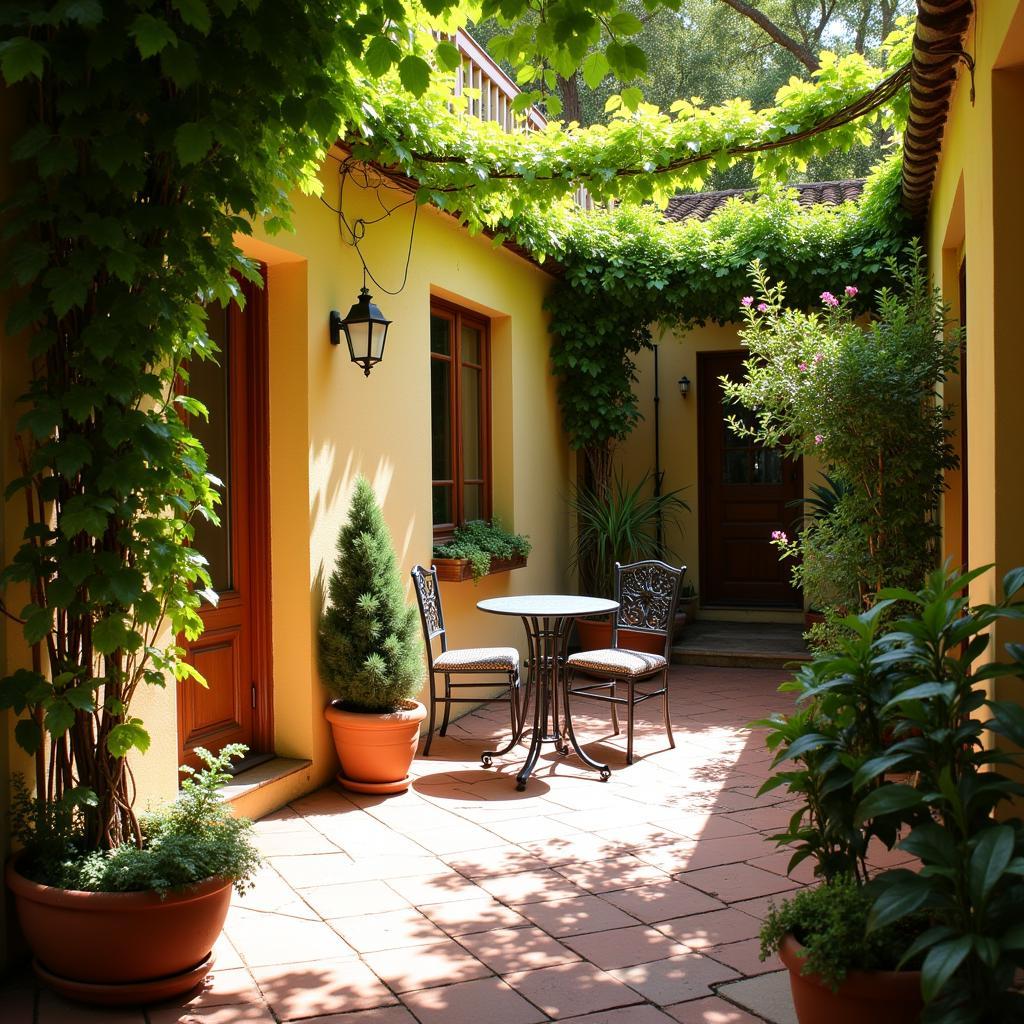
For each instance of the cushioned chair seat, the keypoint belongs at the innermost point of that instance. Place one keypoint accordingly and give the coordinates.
(617, 661)
(478, 659)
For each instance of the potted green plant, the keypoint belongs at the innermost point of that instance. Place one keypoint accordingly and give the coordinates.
(888, 743)
(371, 656)
(478, 549)
(135, 923)
(621, 525)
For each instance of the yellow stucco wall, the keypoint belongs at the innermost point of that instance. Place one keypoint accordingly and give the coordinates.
(329, 423)
(677, 357)
(977, 213)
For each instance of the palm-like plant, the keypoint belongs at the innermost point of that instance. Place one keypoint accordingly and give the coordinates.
(620, 526)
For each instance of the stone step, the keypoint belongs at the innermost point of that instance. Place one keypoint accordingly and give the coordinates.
(740, 644)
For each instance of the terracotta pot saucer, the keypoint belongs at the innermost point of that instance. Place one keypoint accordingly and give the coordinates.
(132, 993)
(399, 786)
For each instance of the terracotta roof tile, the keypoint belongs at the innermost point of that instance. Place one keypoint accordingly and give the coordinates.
(700, 205)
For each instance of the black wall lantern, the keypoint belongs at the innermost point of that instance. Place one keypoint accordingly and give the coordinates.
(366, 330)
(684, 386)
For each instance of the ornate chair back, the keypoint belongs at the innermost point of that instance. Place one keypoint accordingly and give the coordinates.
(647, 593)
(428, 597)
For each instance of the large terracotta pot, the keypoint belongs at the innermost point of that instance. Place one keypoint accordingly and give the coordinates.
(865, 997)
(596, 635)
(120, 947)
(376, 751)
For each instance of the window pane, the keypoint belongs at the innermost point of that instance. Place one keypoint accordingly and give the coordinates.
(208, 382)
(440, 419)
(440, 335)
(472, 502)
(472, 414)
(471, 344)
(443, 506)
(767, 466)
(736, 468)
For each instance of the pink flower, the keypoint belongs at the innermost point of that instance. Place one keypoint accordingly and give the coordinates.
(819, 439)
(851, 290)
(748, 301)
(818, 357)
(829, 299)
(804, 367)
(779, 535)
(762, 307)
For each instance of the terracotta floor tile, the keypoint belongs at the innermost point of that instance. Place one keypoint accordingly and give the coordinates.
(225, 956)
(706, 826)
(382, 1015)
(494, 861)
(507, 950)
(487, 1000)
(733, 882)
(576, 916)
(744, 957)
(621, 872)
(532, 829)
(711, 1010)
(223, 988)
(263, 939)
(384, 867)
(642, 1013)
(308, 870)
(353, 899)
(779, 863)
(319, 987)
(713, 929)
(572, 989)
(294, 844)
(19, 1002)
(243, 1013)
(531, 887)
(53, 1009)
(457, 839)
(662, 900)
(271, 894)
(441, 963)
(467, 917)
(624, 947)
(446, 887)
(760, 906)
(399, 929)
(692, 855)
(676, 979)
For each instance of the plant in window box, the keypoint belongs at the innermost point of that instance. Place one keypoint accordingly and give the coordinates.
(371, 656)
(621, 525)
(478, 549)
(893, 744)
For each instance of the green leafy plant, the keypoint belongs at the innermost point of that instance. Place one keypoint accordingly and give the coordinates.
(895, 742)
(831, 923)
(620, 526)
(864, 399)
(371, 654)
(191, 839)
(481, 542)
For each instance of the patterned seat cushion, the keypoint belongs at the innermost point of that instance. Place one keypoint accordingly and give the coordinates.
(617, 661)
(478, 659)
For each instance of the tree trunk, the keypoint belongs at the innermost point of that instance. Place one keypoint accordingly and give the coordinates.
(802, 54)
(569, 90)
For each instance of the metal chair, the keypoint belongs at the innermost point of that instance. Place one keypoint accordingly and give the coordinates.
(476, 660)
(647, 593)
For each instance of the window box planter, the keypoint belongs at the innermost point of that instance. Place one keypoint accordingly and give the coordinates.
(456, 570)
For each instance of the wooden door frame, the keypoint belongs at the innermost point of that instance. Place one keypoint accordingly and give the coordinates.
(257, 422)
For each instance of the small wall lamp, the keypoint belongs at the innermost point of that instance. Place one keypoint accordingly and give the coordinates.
(366, 331)
(684, 386)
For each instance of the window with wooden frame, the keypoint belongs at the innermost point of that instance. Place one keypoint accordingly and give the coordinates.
(460, 416)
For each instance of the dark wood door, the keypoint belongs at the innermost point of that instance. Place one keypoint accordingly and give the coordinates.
(233, 653)
(744, 492)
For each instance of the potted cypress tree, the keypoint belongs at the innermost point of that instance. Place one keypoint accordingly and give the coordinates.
(371, 656)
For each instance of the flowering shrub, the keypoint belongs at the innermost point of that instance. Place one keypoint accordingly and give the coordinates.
(864, 401)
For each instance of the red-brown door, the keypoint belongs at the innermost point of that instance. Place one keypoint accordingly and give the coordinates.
(232, 654)
(744, 493)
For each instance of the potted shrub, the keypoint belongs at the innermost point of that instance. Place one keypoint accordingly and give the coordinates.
(371, 656)
(621, 525)
(891, 743)
(479, 549)
(131, 924)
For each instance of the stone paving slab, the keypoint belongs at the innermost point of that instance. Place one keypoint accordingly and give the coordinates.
(636, 901)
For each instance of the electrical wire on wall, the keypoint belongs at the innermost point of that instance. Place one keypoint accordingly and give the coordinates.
(353, 230)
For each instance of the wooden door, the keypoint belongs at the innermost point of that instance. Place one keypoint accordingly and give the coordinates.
(233, 653)
(744, 493)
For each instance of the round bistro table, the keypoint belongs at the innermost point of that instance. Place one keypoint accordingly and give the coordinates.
(547, 619)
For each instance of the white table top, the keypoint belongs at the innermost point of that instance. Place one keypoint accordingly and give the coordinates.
(561, 606)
